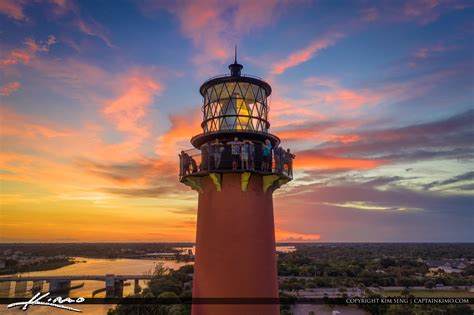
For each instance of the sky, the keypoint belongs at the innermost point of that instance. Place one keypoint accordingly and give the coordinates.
(375, 98)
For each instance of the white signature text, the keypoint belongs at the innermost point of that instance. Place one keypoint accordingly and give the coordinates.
(43, 300)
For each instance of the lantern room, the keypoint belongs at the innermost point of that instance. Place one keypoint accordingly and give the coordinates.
(235, 105)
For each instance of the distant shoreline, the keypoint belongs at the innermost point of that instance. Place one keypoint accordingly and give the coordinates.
(39, 267)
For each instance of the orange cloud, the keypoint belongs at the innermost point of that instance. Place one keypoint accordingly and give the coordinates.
(20, 126)
(286, 236)
(305, 54)
(132, 104)
(9, 88)
(183, 127)
(309, 160)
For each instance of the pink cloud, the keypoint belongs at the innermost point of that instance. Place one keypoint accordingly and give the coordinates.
(420, 11)
(215, 26)
(331, 92)
(25, 55)
(13, 9)
(423, 54)
(425, 10)
(9, 88)
(94, 28)
(62, 7)
(321, 93)
(306, 53)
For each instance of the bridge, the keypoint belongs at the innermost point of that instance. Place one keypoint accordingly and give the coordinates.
(57, 284)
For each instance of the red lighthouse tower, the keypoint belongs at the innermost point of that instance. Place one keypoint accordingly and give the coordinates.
(235, 167)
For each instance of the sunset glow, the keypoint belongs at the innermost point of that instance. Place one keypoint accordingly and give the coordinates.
(375, 99)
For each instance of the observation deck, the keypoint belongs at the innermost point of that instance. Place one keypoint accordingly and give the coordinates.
(216, 159)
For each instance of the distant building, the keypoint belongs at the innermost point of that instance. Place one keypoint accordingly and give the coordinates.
(446, 269)
(460, 263)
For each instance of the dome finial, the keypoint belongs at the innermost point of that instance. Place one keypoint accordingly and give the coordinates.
(235, 54)
(235, 67)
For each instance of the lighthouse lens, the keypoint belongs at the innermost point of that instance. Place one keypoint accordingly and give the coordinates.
(239, 106)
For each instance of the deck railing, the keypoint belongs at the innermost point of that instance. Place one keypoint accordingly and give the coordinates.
(220, 158)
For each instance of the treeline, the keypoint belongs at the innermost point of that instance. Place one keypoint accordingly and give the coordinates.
(12, 266)
(356, 265)
(93, 250)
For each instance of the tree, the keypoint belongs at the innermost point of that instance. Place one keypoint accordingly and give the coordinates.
(429, 284)
(387, 262)
(160, 285)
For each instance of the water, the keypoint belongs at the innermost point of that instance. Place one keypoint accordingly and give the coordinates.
(90, 266)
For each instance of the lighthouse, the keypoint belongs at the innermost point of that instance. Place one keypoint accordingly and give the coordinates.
(235, 166)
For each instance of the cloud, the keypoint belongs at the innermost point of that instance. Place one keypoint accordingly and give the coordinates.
(286, 236)
(104, 143)
(469, 176)
(449, 138)
(58, 10)
(320, 130)
(25, 55)
(320, 100)
(313, 159)
(62, 7)
(306, 53)
(19, 126)
(446, 138)
(93, 28)
(151, 192)
(331, 92)
(427, 53)
(214, 26)
(13, 9)
(9, 88)
(183, 127)
(420, 11)
(125, 172)
(131, 105)
(353, 212)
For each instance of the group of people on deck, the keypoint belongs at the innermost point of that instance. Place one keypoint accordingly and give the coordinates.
(243, 156)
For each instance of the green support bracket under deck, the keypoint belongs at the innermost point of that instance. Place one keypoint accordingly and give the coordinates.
(217, 180)
(245, 180)
(194, 182)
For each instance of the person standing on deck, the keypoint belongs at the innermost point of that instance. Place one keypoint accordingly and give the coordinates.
(267, 156)
(217, 148)
(235, 151)
(244, 155)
